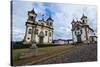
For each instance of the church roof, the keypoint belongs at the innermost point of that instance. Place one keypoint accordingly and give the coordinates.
(89, 28)
(33, 11)
(49, 19)
(73, 21)
(83, 16)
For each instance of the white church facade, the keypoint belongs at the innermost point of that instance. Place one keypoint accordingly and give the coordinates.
(82, 32)
(40, 32)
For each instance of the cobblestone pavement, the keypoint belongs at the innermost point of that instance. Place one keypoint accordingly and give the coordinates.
(81, 53)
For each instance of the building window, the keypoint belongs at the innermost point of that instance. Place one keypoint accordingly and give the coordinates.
(28, 38)
(81, 31)
(31, 17)
(50, 34)
(50, 23)
(45, 33)
(36, 31)
(75, 32)
(78, 32)
(30, 31)
(83, 21)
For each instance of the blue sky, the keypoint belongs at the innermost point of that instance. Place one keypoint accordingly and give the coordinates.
(62, 15)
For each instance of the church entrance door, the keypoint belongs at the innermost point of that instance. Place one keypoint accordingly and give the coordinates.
(79, 38)
(41, 37)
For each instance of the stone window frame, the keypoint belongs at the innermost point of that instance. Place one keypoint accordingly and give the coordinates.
(83, 21)
(50, 34)
(46, 33)
(50, 23)
(29, 31)
(81, 31)
(28, 38)
(36, 31)
(31, 17)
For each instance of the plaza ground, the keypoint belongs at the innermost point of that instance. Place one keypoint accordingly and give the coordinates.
(82, 53)
(41, 52)
(58, 54)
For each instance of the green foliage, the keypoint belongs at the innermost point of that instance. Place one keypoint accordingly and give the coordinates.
(48, 45)
(19, 45)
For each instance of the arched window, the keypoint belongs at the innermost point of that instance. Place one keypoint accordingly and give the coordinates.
(45, 33)
(75, 32)
(36, 31)
(31, 17)
(83, 21)
(30, 31)
(50, 23)
(81, 31)
(50, 34)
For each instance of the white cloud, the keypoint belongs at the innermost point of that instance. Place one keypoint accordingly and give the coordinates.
(19, 15)
(66, 13)
(18, 34)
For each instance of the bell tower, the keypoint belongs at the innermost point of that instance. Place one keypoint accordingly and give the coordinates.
(50, 30)
(29, 34)
(84, 20)
(85, 27)
(73, 23)
(50, 22)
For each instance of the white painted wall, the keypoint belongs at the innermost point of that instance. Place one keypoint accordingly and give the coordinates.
(28, 35)
(75, 39)
(45, 40)
(83, 36)
(45, 37)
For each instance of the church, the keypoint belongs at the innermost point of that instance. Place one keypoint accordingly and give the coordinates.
(82, 32)
(40, 32)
